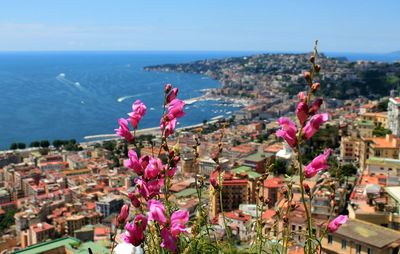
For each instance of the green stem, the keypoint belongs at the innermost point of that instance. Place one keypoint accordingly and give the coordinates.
(308, 213)
(228, 232)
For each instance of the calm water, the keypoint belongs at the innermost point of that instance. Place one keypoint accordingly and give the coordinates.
(72, 95)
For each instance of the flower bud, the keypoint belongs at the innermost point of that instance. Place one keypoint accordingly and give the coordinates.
(123, 215)
(214, 183)
(315, 87)
(171, 154)
(315, 106)
(312, 59)
(306, 188)
(307, 76)
(317, 68)
(172, 95)
(218, 168)
(302, 96)
(285, 219)
(134, 200)
(168, 88)
(177, 159)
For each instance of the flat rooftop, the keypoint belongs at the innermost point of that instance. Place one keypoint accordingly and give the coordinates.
(368, 233)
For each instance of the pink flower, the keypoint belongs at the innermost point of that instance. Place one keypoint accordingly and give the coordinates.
(123, 214)
(302, 112)
(178, 222)
(172, 95)
(169, 241)
(134, 200)
(138, 111)
(317, 164)
(314, 124)
(134, 231)
(148, 189)
(153, 168)
(123, 130)
(133, 162)
(302, 96)
(157, 212)
(175, 109)
(288, 131)
(335, 224)
(169, 127)
(139, 108)
(315, 106)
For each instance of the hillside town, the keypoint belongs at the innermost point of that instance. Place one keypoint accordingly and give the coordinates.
(58, 200)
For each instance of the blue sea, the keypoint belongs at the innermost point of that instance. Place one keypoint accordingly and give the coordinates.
(54, 95)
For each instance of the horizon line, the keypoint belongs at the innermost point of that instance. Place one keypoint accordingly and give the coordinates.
(190, 51)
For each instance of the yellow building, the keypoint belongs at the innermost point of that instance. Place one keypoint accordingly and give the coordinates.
(359, 237)
(385, 147)
(378, 118)
(350, 148)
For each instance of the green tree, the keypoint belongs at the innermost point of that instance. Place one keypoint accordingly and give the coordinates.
(279, 167)
(381, 132)
(13, 146)
(58, 143)
(7, 220)
(44, 143)
(383, 105)
(21, 145)
(35, 144)
(347, 170)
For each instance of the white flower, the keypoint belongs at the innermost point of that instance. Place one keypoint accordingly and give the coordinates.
(127, 248)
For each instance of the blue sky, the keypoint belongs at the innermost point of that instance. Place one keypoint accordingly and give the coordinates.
(232, 25)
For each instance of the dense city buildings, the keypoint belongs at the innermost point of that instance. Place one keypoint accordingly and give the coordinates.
(62, 201)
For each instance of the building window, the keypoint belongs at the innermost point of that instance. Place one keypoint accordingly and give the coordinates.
(358, 249)
(344, 244)
(369, 251)
(330, 239)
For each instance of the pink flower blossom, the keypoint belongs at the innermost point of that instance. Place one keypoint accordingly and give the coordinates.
(148, 189)
(302, 112)
(138, 111)
(172, 95)
(123, 130)
(178, 222)
(335, 224)
(134, 231)
(157, 211)
(175, 109)
(123, 214)
(317, 164)
(139, 108)
(169, 127)
(133, 162)
(315, 106)
(153, 168)
(169, 241)
(288, 131)
(314, 124)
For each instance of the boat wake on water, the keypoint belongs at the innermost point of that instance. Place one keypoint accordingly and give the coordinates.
(62, 78)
